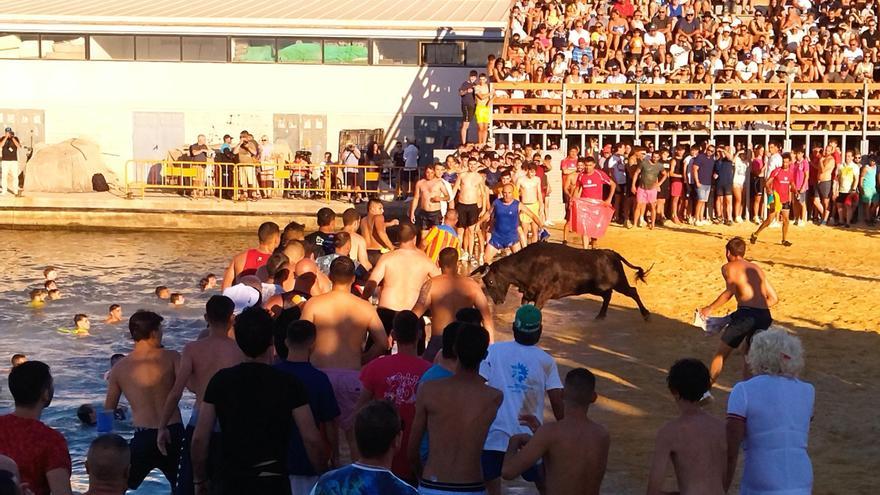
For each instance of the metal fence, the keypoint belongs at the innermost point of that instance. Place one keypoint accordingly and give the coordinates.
(247, 181)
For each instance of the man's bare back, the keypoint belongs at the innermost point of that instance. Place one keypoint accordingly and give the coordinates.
(403, 272)
(697, 446)
(144, 376)
(575, 453)
(202, 359)
(371, 225)
(458, 412)
(445, 295)
(343, 320)
(749, 284)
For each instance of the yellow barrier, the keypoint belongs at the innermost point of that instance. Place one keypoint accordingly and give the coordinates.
(251, 181)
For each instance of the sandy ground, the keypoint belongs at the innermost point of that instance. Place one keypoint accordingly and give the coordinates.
(829, 287)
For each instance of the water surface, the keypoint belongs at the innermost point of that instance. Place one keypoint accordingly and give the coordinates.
(96, 270)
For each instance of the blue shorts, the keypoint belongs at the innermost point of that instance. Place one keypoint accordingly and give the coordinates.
(492, 461)
(502, 240)
(703, 193)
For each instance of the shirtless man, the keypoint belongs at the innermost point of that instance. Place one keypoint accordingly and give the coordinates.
(468, 191)
(308, 282)
(199, 362)
(456, 412)
(754, 295)
(532, 197)
(351, 221)
(569, 186)
(114, 315)
(695, 441)
(146, 376)
(248, 262)
(424, 211)
(574, 449)
(447, 293)
(402, 273)
(822, 193)
(343, 320)
(373, 229)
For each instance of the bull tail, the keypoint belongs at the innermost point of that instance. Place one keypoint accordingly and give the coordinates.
(641, 274)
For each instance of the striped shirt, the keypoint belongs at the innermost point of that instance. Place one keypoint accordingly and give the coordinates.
(440, 237)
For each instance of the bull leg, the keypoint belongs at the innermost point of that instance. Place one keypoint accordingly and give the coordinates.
(634, 294)
(606, 299)
(541, 301)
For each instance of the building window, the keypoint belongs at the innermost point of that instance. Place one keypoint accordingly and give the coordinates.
(253, 49)
(478, 52)
(395, 52)
(63, 46)
(299, 51)
(352, 52)
(105, 47)
(157, 48)
(443, 53)
(204, 49)
(19, 45)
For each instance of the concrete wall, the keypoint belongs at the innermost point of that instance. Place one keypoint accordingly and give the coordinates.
(96, 99)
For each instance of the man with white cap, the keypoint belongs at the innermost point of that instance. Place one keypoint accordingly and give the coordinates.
(523, 372)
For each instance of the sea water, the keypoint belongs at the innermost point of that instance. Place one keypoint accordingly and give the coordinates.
(94, 271)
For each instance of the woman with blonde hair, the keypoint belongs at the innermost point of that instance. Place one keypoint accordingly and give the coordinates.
(769, 414)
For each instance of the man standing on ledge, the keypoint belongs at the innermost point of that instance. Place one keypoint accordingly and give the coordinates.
(9, 146)
(754, 295)
(468, 104)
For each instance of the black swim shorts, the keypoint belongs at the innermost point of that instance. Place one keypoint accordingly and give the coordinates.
(468, 214)
(145, 456)
(823, 189)
(427, 219)
(745, 322)
(467, 112)
(722, 189)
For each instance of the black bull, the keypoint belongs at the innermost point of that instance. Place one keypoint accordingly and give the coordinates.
(545, 271)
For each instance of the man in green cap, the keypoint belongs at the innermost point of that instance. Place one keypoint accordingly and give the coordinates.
(523, 372)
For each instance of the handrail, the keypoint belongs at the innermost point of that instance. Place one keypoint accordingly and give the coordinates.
(212, 178)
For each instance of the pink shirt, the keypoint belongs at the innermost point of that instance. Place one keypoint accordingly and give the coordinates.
(800, 170)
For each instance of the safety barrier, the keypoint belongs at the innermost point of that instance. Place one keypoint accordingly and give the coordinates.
(249, 181)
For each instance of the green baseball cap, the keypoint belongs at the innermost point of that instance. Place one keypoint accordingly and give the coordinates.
(527, 319)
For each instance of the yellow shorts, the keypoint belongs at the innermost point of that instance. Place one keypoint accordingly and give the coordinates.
(534, 208)
(482, 114)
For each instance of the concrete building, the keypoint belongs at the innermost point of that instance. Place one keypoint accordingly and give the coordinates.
(140, 77)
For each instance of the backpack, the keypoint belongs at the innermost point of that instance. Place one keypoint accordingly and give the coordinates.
(99, 183)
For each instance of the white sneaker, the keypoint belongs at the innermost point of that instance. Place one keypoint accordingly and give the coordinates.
(774, 224)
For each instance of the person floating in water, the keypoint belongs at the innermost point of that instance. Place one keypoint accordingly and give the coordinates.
(163, 293)
(89, 417)
(176, 299)
(18, 359)
(38, 298)
(54, 294)
(208, 282)
(114, 314)
(81, 326)
(50, 273)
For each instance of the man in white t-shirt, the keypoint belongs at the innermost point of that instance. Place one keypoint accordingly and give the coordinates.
(680, 51)
(775, 160)
(746, 69)
(523, 372)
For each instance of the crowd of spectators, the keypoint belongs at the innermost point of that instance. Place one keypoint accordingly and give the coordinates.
(675, 41)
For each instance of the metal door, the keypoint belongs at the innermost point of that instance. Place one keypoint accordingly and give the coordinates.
(154, 134)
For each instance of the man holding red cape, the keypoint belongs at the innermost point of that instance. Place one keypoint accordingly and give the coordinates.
(591, 212)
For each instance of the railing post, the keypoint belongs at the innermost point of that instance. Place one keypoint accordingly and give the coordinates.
(636, 113)
(328, 181)
(712, 106)
(563, 124)
(864, 144)
(234, 182)
(787, 143)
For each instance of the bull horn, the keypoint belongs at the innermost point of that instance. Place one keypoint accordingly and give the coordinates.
(481, 271)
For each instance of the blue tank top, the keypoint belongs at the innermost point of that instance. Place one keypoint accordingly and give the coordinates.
(506, 217)
(869, 183)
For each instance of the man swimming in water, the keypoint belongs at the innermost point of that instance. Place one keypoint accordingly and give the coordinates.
(81, 325)
(344, 321)
(146, 377)
(114, 314)
(199, 361)
(754, 295)
(163, 293)
(574, 449)
(402, 273)
(38, 298)
(209, 282)
(18, 359)
(176, 299)
(50, 273)
(447, 293)
(248, 262)
(456, 412)
(373, 229)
